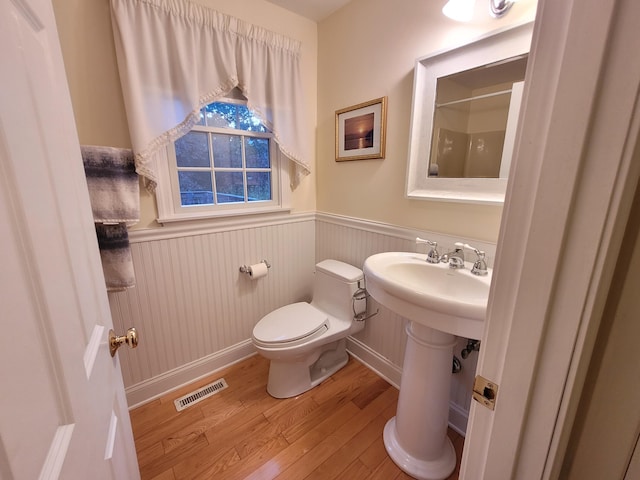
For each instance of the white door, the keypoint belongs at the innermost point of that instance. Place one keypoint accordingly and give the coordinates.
(63, 413)
(568, 202)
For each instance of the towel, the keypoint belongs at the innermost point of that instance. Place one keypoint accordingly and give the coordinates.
(115, 254)
(115, 202)
(113, 184)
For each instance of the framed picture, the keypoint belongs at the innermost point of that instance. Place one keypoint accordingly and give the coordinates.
(360, 131)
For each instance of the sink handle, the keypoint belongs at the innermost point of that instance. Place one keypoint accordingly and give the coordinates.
(433, 256)
(480, 265)
(424, 241)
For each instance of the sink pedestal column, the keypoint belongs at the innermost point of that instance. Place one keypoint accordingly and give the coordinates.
(416, 438)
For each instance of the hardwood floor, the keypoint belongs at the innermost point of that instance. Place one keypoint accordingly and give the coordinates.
(333, 431)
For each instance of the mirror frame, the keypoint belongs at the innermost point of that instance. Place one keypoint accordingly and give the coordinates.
(490, 48)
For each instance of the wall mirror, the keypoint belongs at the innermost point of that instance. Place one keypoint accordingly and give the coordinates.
(466, 103)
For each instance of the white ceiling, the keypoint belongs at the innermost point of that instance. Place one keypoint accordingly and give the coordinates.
(315, 10)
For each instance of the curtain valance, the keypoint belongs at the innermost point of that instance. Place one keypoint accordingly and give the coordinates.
(174, 57)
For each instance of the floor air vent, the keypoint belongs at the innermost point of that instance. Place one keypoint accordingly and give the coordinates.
(200, 394)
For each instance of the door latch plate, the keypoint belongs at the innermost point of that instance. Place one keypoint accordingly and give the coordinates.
(485, 392)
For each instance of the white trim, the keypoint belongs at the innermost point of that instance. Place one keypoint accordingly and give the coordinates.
(180, 212)
(517, 90)
(458, 418)
(490, 48)
(238, 211)
(444, 241)
(111, 436)
(372, 226)
(387, 228)
(91, 350)
(57, 453)
(144, 392)
(616, 122)
(164, 200)
(170, 209)
(203, 227)
(374, 361)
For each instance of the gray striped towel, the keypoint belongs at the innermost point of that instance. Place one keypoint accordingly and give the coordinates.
(115, 202)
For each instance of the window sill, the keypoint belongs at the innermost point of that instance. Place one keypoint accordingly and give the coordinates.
(226, 216)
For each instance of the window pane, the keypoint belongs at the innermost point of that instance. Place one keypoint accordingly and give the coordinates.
(229, 187)
(248, 121)
(256, 151)
(258, 186)
(192, 150)
(222, 115)
(232, 115)
(195, 188)
(227, 151)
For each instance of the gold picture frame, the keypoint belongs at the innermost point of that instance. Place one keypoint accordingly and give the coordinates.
(361, 131)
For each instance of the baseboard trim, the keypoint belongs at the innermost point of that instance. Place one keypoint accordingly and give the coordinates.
(458, 416)
(144, 392)
(149, 390)
(374, 361)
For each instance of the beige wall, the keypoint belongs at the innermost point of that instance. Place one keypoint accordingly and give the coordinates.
(364, 51)
(368, 50)
(87, 45)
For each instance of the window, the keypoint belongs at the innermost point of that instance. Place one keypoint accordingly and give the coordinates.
(227, 164)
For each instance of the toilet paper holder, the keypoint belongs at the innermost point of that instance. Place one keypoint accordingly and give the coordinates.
(246, 269)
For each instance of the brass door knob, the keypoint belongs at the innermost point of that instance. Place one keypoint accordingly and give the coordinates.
(131, 339)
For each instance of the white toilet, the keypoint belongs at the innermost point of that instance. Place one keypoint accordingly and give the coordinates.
(305, 342)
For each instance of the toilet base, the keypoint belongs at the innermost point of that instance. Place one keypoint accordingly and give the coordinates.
(288, 379)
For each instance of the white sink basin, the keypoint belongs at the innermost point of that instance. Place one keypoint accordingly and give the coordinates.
(446, 299)
(440, 302)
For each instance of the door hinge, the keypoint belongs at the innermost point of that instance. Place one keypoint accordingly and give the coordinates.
(485, 392)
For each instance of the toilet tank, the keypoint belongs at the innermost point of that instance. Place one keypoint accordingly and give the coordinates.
(334, 284)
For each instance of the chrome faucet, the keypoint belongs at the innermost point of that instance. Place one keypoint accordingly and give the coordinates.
(455, 258)
(480, 265)
(433, 256)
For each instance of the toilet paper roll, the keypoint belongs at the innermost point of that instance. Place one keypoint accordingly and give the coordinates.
(258, 270)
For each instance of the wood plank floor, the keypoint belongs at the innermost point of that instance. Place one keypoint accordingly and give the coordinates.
(333, 431)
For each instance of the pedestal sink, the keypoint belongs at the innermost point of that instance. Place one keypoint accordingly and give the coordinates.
(440, 303)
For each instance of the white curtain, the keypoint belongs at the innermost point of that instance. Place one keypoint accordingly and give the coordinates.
(174, 57)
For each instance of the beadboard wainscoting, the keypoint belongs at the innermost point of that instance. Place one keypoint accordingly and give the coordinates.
(381, 344)
(193, 309)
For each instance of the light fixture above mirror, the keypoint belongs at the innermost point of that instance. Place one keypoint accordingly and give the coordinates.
(459, 10)
(462, 10)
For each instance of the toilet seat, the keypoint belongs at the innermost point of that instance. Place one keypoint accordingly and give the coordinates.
(291, 325)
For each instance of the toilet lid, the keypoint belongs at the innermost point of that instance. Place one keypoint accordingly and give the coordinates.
(289, 323)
